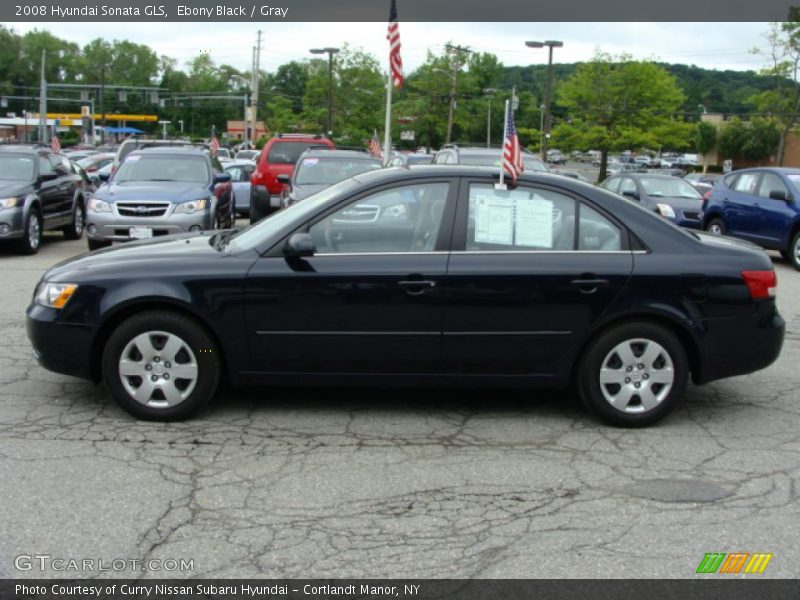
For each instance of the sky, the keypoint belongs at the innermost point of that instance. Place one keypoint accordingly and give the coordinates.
(709, 45)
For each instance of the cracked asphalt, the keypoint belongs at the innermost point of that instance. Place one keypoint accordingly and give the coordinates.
(386, 483)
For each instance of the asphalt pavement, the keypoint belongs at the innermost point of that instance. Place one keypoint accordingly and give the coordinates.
(389, 483)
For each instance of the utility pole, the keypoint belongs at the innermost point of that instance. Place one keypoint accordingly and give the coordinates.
(455, 65)
(254, 96)
(103, 104)
(42, 105)
(546, 118)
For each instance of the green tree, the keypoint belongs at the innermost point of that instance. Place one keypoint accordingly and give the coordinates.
(706, 137)
(754, 140)
(614, 103)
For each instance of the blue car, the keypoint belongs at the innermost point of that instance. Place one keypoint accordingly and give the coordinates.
(759, 205)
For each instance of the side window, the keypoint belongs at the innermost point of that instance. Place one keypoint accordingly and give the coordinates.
(400, 219)
(522, 219)
(627, 185)
(612, 185)
(595, 232)
(59, 165)
(746, 183)
(771, 183)
(45, 167)
(235, 173)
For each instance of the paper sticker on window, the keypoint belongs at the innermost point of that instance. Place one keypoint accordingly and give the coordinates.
(534, 226)
(494, 220)
(133, 158)
(310, 161)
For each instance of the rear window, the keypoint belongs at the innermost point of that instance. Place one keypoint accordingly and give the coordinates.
(287, 153)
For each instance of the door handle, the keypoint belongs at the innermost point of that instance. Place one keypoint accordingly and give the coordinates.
(416, 287)
(589, 285)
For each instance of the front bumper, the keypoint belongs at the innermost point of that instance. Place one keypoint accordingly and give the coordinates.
(14, 221)
(60, 347)
(111, 226)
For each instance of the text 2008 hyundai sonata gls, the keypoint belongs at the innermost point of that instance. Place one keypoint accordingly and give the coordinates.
(419, 276)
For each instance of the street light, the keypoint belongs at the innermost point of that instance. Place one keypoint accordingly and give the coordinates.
(330, 52)
(489, 92)
(546, 115)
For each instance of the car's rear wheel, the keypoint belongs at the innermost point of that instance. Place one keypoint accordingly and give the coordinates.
(97, 244)
(716, 227)
(793, 254)
(634, 374)
(161, 366)
(74, 231)
(32, 236)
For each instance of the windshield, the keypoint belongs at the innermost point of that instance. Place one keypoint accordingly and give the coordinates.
(481, 160)
(247, 154)
(668, 188)
(295, 213)
(327, 171)
(287, 153)
(159, 167)
(531, 164)
(16, 168)
(795, 179)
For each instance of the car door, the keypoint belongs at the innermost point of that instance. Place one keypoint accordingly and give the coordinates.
(49, 193)
(531, 269)
(66, 185)
(369, 300)
(775, 214)
(741, 206)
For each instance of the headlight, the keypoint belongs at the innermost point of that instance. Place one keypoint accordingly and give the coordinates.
(666, 210)
(10, 202)
(192, 206)
(99, 206)
(55, 295)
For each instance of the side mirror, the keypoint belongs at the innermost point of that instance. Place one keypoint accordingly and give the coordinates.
(48, 176)
(778, 195)
(298, 245)
(104, 176)
(222, 178)
(283, 178)
(631, 194)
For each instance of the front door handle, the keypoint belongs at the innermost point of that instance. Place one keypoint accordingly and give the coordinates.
(416, 287)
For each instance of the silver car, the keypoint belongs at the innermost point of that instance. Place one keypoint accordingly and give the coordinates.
(240, 172)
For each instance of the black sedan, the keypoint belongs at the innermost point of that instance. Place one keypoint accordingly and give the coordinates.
(418, 276)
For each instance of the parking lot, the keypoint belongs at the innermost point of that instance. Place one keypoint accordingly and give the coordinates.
(392, 483)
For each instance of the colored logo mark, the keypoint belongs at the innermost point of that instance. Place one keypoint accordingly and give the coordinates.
(734, 562)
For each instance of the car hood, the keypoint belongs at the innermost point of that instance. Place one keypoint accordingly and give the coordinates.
(168, 191)
(678, 202)
(12, 187)
(183, 248)
(301, 192)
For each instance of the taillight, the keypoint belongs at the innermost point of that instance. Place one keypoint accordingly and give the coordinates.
(762, 284)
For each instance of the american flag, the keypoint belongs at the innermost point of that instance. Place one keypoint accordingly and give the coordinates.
(512, 156)
(393, 35)
(213, 146)
(375, 146)
(55, 144)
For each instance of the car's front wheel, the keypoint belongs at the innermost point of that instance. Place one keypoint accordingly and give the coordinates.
(633, 374)
(32, 235)
(161, 366)
(716, 227)
(793, 254)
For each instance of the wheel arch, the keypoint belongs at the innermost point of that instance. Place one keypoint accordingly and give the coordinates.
(675, 326)
(127, 310)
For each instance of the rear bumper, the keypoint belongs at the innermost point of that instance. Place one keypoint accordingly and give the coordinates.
(262, 202)
(738, 346)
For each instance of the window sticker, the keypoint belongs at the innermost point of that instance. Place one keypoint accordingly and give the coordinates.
(133, 158)
(310, 161)
(494, 219)
(534, 223)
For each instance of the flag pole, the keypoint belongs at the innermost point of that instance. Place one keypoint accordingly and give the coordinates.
(501, 184)
(387, 134)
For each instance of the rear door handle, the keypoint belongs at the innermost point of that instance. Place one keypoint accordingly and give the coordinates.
(589, 286)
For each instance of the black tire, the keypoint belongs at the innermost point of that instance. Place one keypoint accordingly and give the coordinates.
(643, 399)
(716, 226)
(32, 233)
(97, 244)
(74, 231)
(793, 253)
(196, 353)
(256, 213)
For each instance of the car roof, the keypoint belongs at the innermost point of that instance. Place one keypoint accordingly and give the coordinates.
(183, 150)
(488, 173)
(23, 148)
(321, 153)
(784, 170)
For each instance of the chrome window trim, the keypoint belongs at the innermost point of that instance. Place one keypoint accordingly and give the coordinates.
(492, 252)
